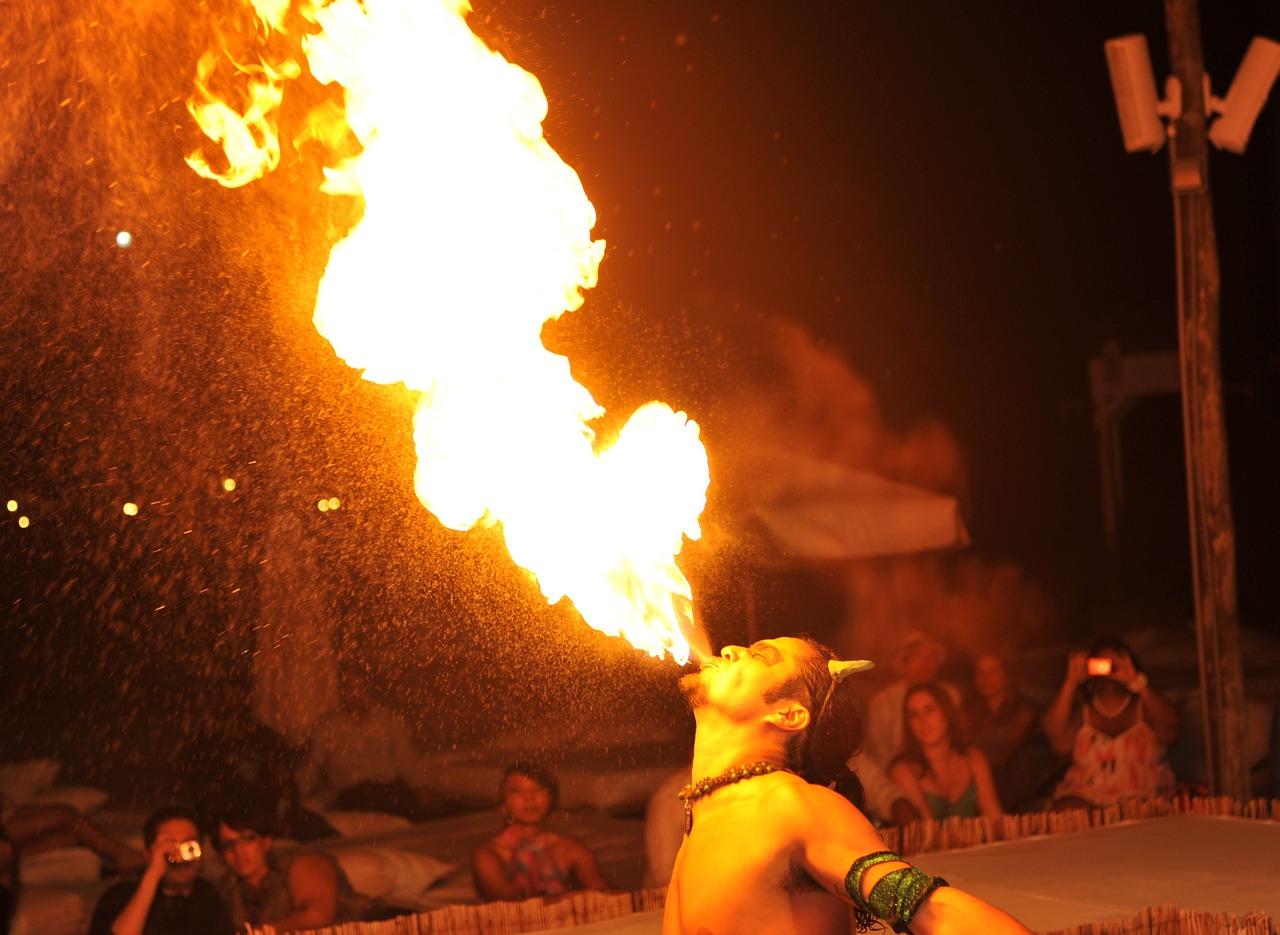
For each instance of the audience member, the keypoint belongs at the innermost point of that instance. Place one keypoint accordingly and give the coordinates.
(919, 660)
(8, 881)
(171, 898)
(34, 829)
(289, 892)
(526, 859)
(1114, 725)
(1004, 724)
(236, 763)
(363, 757)
(941, 773)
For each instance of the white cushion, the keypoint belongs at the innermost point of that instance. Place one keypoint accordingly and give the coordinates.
(44, 911)
(21, 780)
(360, 824)
(84, 799)
(388, 873)
(64, 865)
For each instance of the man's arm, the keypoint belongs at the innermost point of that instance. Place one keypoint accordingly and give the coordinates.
(133, 917)
(313, 891)
(833, 835)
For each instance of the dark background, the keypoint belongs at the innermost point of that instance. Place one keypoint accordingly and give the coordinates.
(937, 193)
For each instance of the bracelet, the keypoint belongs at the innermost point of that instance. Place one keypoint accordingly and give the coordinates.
(1138, 684)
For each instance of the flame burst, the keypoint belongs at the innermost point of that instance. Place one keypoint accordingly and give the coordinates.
(475, 234)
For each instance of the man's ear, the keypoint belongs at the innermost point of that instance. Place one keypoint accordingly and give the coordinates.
(790, 716)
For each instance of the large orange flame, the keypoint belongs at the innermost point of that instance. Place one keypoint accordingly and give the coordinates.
(474, 235)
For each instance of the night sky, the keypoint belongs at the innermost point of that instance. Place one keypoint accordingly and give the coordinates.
(937, 193)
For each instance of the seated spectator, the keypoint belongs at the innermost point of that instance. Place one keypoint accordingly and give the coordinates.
(942, 774)
(363, 757)
(526, 859)
(171, 898)
(297, 891)
(34, 829)
(1004, 725)
(236, 763)
(8, 882)
(919, 660)
(1114, 725)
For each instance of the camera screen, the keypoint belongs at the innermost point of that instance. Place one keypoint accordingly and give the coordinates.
(1099, 666)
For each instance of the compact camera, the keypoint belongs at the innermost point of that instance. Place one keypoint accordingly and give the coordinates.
(188, 851)
(1099, 666)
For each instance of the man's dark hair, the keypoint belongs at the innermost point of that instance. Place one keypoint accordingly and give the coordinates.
(151, 827)
(241, 820)
(820, 753)
(535, 771)
(912, 751)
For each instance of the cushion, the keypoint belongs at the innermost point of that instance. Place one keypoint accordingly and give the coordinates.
(361, 824)
(43, 911)
(391, 874)
(64, 865)
(21, 780)
(84, 799)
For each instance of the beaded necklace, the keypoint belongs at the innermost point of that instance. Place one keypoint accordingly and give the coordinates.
(704, 787)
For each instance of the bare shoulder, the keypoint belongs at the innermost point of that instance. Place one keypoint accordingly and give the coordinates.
(313, 867)
(807, 808)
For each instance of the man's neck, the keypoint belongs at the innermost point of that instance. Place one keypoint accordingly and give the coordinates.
(720, 745)
(177, 888)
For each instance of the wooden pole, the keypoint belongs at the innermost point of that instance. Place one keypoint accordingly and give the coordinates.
(1213, 558)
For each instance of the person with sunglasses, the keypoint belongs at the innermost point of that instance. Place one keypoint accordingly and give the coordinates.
(290, 891)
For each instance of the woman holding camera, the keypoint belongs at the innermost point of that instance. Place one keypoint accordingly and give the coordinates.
(1114, 725)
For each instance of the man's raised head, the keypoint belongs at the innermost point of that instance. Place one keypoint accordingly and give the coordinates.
(819, 753)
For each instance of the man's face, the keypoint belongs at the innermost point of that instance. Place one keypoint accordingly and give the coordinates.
(169, 834)
(989, 677)
(920, 663)
(244, 851)
(737, 680)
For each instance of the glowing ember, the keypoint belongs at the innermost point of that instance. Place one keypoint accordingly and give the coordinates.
(475, 234)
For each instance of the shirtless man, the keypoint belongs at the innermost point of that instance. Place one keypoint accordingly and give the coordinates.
(769, 848)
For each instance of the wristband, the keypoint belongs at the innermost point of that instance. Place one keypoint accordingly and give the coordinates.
(1138, 684)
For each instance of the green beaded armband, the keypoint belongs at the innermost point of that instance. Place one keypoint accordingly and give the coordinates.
(897, 895)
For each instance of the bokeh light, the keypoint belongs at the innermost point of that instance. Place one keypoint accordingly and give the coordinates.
(23, 522)
(229, 484)
(12, 506)
(131, 509)
(124, 239)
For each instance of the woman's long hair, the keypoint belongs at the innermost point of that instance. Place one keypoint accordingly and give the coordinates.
(912, 750)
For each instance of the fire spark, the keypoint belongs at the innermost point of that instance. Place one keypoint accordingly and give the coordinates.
(475, 233)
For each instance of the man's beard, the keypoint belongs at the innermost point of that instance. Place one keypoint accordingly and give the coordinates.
(693, 689)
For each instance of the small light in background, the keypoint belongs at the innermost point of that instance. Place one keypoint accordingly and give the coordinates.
(323, 506)
(12, 506)
(131, 509)
(229, 484)
(23, 522)
(334, 503)
(124, 240)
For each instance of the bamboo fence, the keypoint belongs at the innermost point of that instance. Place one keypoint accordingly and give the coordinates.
(583, 908)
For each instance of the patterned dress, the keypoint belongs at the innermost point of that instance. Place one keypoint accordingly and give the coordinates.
(1106, 769)
(534, 869)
